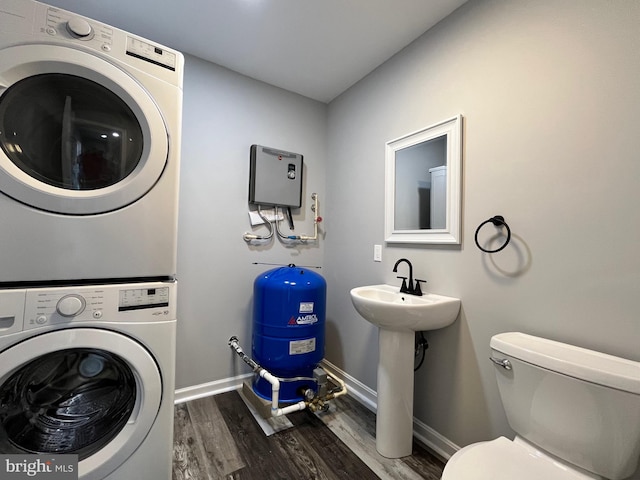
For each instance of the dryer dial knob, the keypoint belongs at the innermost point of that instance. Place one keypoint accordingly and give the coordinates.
(70, 305)
(79, 27)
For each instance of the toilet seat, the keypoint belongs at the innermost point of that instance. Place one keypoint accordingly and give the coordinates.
(503, 459)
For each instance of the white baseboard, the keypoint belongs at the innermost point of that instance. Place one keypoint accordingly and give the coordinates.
(365, 395)
(441, 445)
(211, 388)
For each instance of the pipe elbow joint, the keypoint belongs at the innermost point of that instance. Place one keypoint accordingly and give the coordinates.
(275, 383)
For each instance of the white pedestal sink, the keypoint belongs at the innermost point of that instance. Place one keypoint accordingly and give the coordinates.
(399, 315)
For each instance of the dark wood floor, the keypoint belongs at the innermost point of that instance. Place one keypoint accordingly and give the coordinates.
(218, 438)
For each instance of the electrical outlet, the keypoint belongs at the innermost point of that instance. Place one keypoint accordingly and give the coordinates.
(377, 253)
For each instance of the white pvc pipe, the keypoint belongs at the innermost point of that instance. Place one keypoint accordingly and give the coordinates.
(314, 197)
(275, 388)
(275, 384)
(275, 396)
(291, 408)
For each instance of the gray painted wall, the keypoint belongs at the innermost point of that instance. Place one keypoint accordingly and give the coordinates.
(550, 98)
(224, 114)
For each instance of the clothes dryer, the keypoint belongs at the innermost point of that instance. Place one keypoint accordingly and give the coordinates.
(89, 370)
(90, 120)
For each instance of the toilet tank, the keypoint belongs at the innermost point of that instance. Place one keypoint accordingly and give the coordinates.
(577, 404)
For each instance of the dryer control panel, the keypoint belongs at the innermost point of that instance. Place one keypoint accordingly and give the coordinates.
(27, 22)
(31, 308)
(80, 28)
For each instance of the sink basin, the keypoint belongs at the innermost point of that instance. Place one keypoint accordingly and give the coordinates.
(398, 316)
(386, 307)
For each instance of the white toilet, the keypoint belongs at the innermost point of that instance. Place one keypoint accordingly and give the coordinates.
(576, 414)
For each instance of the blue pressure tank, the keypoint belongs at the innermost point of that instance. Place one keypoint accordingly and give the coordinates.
(289, 305)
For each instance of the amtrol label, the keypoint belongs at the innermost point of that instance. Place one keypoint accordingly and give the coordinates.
(300, 347)
(308, 319)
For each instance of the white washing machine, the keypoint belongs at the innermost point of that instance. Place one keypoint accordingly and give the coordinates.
(89, 371)
(90, 120)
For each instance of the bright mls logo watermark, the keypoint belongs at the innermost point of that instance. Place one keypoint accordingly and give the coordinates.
(49, 467)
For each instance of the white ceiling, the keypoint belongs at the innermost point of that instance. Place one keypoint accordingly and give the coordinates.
(317, 48)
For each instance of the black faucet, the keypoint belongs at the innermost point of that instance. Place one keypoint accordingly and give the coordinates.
(408, 287)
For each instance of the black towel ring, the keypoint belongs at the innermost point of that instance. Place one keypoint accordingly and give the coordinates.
(498, 221)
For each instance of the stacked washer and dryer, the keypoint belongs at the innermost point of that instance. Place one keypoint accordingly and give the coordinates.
(89, 159)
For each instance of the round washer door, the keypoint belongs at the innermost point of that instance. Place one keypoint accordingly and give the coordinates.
(78, 135)
(90, 392)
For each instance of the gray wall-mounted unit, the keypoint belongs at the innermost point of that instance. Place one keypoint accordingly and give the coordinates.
(275, 177)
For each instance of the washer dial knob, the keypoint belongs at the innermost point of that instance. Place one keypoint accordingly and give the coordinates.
(71, 305)
(79, 27)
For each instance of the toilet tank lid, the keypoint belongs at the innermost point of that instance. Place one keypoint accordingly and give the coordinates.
(581, 363)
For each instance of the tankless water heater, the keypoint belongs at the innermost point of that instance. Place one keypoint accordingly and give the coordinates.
(275, 177)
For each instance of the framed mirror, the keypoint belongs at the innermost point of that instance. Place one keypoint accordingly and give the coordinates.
(423, 178)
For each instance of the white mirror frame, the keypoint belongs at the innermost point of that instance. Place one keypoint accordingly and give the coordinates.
(452, 128)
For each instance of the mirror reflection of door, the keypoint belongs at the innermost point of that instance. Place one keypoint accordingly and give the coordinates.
(420, 187)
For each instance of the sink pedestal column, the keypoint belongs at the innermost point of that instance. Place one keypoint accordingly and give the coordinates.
(394, 418)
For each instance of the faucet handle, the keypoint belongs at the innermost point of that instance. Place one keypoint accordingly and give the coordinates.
(418, 290)
(403, 288)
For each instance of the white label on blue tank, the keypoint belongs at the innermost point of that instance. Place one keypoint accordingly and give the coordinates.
(299, 347)
(306, 307)
(307, 319)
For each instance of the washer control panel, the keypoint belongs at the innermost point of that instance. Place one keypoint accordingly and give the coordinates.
(26, 309)
(52, 306)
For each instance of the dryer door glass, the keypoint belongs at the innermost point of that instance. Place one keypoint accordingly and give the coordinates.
(69, 132)
(71, 401)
